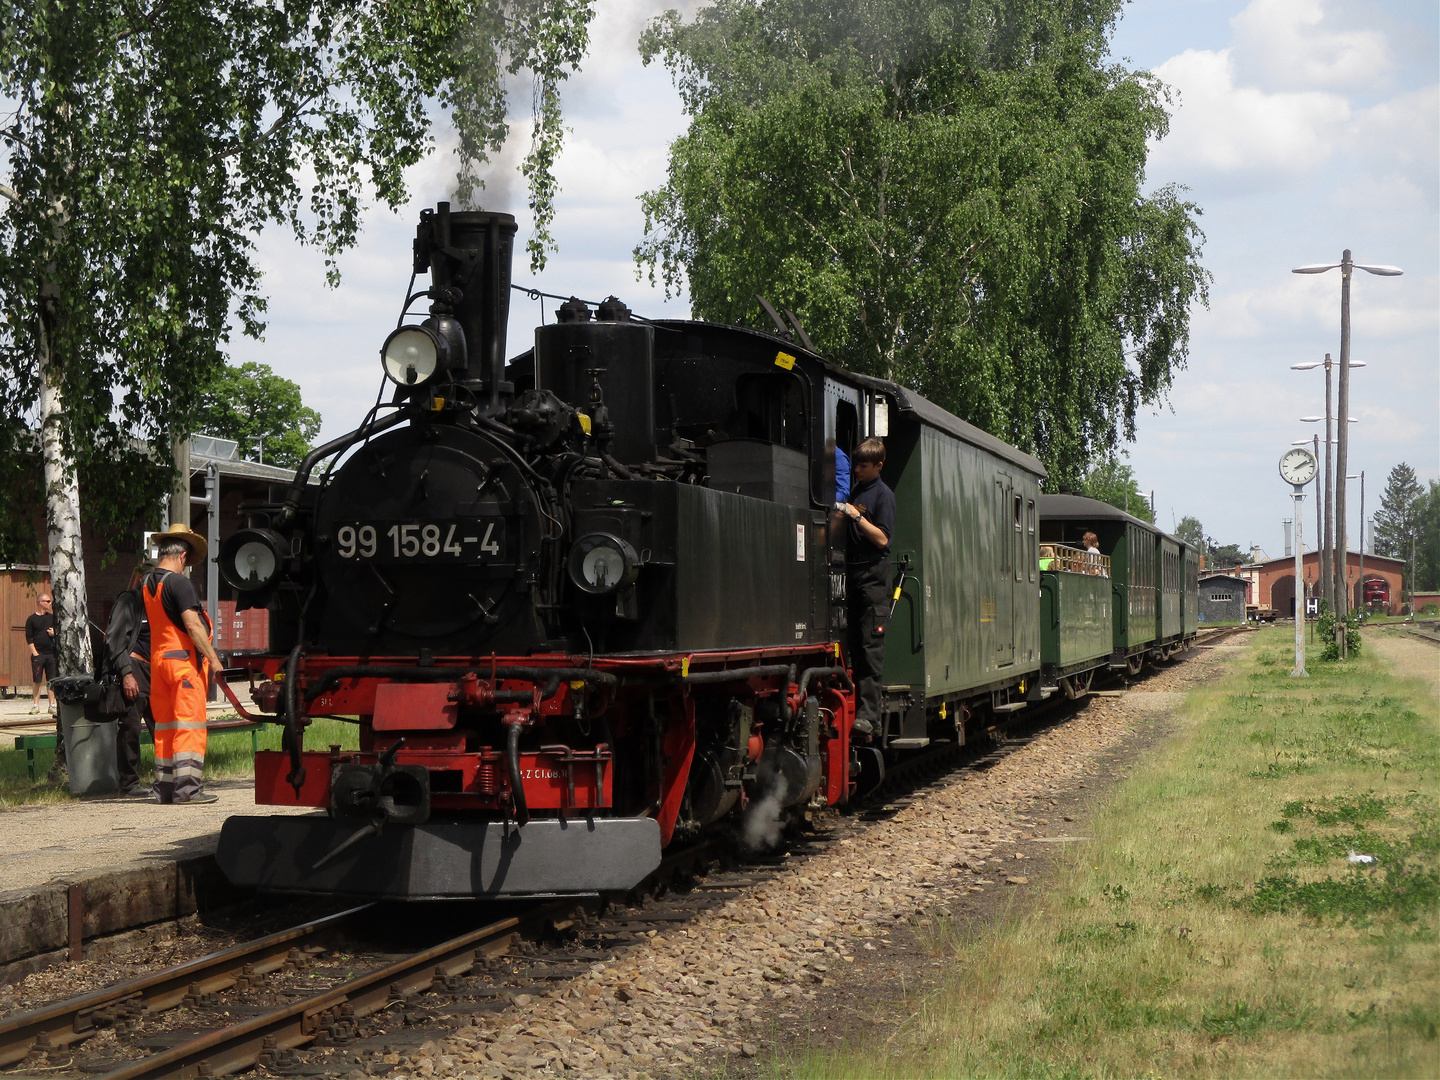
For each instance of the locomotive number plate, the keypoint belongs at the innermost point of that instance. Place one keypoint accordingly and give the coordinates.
(470, 540)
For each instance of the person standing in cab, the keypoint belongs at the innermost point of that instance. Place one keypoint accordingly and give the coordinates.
(182, 661)
(871, 510)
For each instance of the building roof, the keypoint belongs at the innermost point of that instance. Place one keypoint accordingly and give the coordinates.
(250, 470)
(1224, 577)
(1352, 556)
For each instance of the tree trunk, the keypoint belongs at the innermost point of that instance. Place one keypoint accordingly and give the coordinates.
(62, 520)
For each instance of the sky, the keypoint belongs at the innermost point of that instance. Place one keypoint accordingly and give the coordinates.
(1300, 127)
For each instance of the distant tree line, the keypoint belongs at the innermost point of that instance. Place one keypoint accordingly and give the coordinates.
(1407, 527)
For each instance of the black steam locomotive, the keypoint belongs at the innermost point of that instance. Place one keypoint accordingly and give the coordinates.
(593, 599)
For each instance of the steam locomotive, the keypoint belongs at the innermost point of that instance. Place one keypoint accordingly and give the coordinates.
(591, 601)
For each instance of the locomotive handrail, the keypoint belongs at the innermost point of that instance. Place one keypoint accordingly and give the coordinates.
(760, 671)
(811, 673)
(407, 673)
(763, 671)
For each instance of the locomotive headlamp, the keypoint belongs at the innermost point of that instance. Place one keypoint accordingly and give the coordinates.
(250, 560)
(413, 354)
(601, 563)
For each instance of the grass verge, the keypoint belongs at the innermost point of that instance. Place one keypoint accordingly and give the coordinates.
(1217, 924)
(228, 755)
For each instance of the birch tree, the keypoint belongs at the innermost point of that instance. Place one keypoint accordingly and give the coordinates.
(949, 193)
(145, 145)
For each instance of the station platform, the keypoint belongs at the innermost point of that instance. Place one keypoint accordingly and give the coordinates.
(86, 868)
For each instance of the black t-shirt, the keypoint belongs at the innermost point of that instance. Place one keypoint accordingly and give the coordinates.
(40, 632)
(178, 596)
(876, 503)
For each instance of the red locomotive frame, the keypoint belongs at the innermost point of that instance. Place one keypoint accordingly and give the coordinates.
(557, 779)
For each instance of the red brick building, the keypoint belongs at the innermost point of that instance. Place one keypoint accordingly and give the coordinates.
(1275, 585)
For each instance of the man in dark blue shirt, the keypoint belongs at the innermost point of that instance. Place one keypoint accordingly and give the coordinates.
(871, 510)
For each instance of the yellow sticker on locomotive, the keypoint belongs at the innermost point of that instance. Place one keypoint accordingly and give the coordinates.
(785, 360)
(584, 422)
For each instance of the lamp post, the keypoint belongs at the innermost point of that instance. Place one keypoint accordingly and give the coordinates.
(1326, 543)
(1347, 267)
(1325, 534)
(1323, 578)
(1298, 468)
(1364, 606)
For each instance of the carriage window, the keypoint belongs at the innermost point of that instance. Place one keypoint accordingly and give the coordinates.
(1019, 556)
(1030, 549)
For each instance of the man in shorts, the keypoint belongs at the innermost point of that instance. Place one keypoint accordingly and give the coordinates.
(40, 637)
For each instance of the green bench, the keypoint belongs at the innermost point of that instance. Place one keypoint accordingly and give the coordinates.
(31, 743)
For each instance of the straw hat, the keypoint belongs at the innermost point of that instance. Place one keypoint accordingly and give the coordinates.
(184, 532)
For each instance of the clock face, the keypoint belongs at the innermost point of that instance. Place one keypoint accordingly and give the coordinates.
(1298, 466)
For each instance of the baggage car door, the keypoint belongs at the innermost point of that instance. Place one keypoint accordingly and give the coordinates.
(1008, 539)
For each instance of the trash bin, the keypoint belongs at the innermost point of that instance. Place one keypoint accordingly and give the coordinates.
(89, 747)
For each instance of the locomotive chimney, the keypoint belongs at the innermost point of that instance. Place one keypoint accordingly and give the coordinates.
(468, 254)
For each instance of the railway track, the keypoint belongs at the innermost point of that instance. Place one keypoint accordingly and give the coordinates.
(401, 1003)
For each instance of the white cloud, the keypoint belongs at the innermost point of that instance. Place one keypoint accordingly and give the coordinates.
(1222, 127)
(1296, 45)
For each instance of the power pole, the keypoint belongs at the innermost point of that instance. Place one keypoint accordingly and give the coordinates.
(180, 497)
(1323, 582)
(1327, 537)
(1342, 447)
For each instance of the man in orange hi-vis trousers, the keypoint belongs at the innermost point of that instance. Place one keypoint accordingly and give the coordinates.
(182, 661)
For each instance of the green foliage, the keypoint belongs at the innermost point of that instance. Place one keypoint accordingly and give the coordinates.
(949, 195)
(1192, 532)
(1227, 555)
(251, 403)
(146, 143)
(1396, 520)
(1325, 628)
(1361, 894)
(1113, 482)
(1427, 539)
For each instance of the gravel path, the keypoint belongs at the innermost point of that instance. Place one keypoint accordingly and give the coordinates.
(791, 958)
(1409, 657)
(84, 837)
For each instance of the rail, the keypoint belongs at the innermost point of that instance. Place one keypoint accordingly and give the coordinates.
(65, 1022)
(241, 1045)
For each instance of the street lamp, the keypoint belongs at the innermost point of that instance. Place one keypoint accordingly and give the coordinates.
(1364, 607)
(1324, 531)
(1347, 267)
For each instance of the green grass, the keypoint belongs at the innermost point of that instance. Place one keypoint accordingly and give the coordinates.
(1215, 926)
(228, 755)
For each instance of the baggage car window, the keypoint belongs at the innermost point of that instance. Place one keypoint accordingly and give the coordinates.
(1019, 540)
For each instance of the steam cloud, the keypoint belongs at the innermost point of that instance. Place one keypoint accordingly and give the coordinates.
(761, 828)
